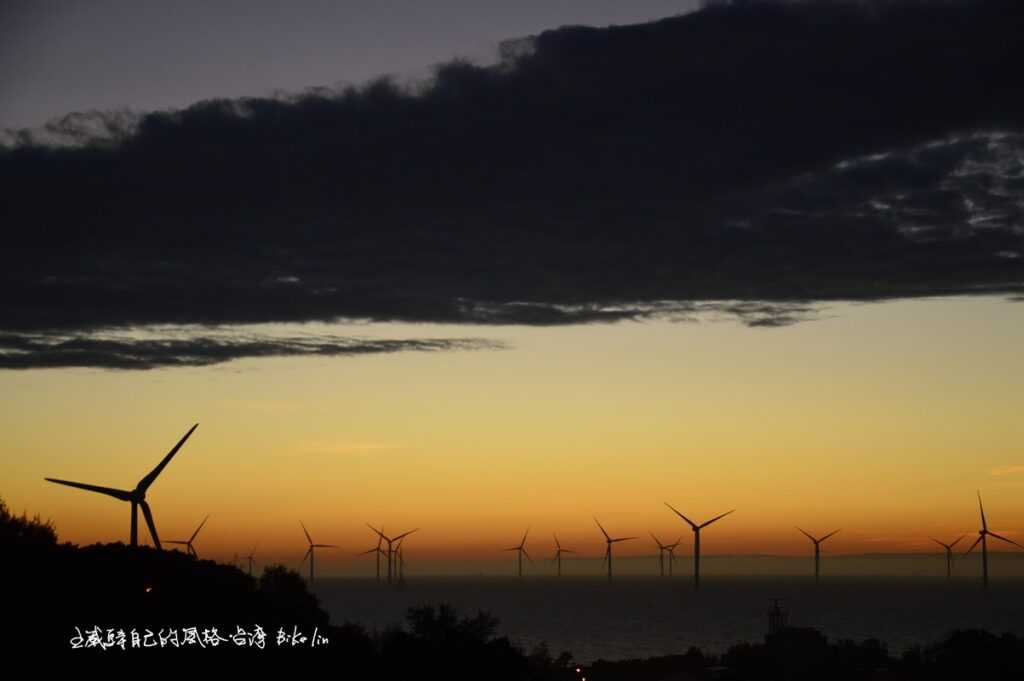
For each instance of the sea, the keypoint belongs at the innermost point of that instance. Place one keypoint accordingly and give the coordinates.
(637, 617)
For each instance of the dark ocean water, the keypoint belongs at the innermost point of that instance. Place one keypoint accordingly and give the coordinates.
(642, 617)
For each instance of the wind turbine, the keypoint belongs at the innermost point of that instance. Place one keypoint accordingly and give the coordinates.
(983, 533)
(662, 548)
(559, 550)
(608, 547)
(310, 553)
(521, 549)
(188, 544)
(137, 496)
(390, 541)
(817, 552)
(378, 550)
(252, 559)
(696, 540)
(671, 549)
(949, 554)
(400, 560)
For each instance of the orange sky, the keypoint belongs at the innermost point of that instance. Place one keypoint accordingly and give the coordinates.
(882, 419)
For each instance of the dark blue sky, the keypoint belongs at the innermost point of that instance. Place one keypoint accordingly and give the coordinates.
(66, 55)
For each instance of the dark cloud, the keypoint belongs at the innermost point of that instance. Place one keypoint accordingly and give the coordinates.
(39, 351)
(771, 156)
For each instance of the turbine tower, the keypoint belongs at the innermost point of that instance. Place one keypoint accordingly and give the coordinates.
(188, 543)
(137, 496)
(817, 552)
(983, 533)
(310, 553)
(521, 550)
(608, 547)
(949, 554)
(559, 550)
(696, 540)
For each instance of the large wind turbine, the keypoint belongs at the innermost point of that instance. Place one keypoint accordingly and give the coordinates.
(696, 540)
(521, 551)
(608, 547)
(559, 550)
(949, 554)
(390, 541)
(310, 553)
(983, 533)
(817, 551)
(137, 496)
(188, 543)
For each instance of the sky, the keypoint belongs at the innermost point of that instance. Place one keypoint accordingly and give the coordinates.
(882, 420)
(539, 293)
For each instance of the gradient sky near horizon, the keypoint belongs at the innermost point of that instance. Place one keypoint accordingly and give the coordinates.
(882, 419)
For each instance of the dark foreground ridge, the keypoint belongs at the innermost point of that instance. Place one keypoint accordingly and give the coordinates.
(67, 604)
(762, 151)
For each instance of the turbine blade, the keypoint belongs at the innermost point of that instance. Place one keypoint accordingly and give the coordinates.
(946, 546)
(828, 535)
(523, 542)
(404, 534)
(976, 542)
(176, 542)
(1009, 541)
(806, 534)
(514, 548)
(566, 550)
(621, 539)
(525, 553)
(308, 551)
(691, 523)
(199, 528)
(717, 518)
(957, 541)
(557, 545)
(109, 491)
(366, 552)
(149, 522)
(602, 529)
(148, 480)
(325, 546)
(379, 532)
(660, 546)
(981, 508)
(307, 533)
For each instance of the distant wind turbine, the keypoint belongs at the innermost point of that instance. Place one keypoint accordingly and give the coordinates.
(671, 549)
(521, 551)
(662, 549)
(983, 533)
(137, 496)
(377, 550)
(559, 550)
(817, 552)
(949, 554)
(696, 540)
(252, 559)
(608, 547)
(188, 543)
(310, 553)
(390, 541)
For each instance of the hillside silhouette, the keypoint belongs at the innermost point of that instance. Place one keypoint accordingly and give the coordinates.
(757, 151)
